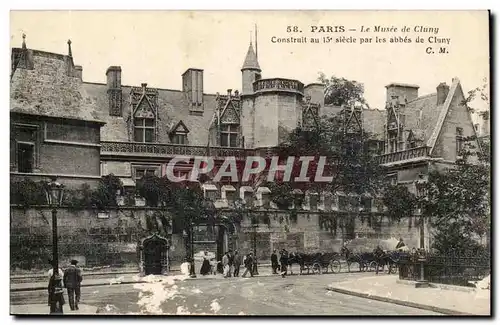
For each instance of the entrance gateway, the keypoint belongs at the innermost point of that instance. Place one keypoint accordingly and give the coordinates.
(153, 255)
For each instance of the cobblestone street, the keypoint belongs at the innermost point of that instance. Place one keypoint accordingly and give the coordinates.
(295, 295)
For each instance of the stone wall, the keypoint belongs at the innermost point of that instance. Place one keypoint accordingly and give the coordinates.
(98, 239)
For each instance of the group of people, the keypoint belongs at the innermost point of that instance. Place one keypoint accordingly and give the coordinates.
(230, 265)
(71, 279)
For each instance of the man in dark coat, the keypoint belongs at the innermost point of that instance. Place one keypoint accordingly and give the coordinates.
(72, 281)
(248, 265)
(274, 262)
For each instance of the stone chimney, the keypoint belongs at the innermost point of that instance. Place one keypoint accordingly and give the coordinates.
(192, 85)
(442, 92)
(114, 82)
(403, 92)
(78, 72)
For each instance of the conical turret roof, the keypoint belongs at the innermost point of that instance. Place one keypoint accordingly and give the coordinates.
(251, 60)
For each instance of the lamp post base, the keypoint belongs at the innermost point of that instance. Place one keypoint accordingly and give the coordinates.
(422, 284)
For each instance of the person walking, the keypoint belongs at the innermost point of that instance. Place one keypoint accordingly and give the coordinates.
(72, 281)
(283, 261)
(248, 266)
(231, 263)
(225, 265)
(56, 294)
(237, 264)
(50, 273)
(274, 262)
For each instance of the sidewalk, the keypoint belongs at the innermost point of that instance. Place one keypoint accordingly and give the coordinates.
(41, 309)
(449, 300)
(114, 279)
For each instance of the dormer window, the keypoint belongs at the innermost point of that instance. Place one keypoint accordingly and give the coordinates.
(144, 129)
(179, 138)
(229, 135)
(179, 134)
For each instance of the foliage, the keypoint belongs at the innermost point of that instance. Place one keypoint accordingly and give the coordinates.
(482, 92)
(105, 194)
(400, 202)
(155, 190)
(31, 250)
(457, 202)
(27, 193)
(341, 91)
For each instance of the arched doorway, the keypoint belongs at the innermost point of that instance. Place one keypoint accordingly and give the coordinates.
(154, 255)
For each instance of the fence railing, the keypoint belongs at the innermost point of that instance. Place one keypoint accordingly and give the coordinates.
(447, 268)
(404, 155)
(169, 150)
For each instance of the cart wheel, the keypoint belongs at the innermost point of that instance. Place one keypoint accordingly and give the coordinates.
(373, 266)
(392, 269)
(335, 266)
(316, 268)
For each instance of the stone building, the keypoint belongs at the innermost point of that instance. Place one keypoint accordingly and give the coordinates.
(83, 130)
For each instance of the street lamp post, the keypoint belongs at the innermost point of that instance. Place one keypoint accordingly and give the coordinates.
(254, 268)
(192, 270)
(54, 193)
(421, 194)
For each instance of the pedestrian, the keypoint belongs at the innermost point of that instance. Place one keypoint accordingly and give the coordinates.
(225, 264)
(205, 266)
(56, 294)
(237, 263)
(274, 262)
(50, 273)
(72, 281)
(283, 261)
(248, 265)
(231, 262)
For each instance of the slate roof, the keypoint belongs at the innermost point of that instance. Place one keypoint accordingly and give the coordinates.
(421, 115)
(373, 119)
(374, 122)
(251, 59)
(48, 90)
(173, 106)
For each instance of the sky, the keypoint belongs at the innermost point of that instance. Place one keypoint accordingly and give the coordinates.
(156, 47)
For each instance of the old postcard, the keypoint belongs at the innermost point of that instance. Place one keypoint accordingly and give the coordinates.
(250, 163)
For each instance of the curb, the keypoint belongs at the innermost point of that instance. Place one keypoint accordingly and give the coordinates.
(439, 286)
(401, 302)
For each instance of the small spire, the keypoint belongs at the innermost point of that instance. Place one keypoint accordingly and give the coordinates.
(251, 61)
(69, 48)
(24, 42)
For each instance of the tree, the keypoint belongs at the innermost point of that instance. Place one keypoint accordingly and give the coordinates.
(400, 202)
(341, 91)
(351, 161)
(457, 204)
